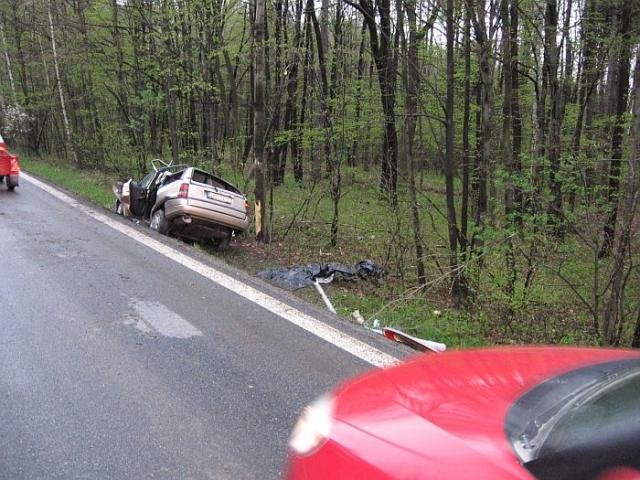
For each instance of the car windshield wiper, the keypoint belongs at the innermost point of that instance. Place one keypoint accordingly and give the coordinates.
(536, 431)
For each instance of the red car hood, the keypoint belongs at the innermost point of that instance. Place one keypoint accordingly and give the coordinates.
(451, 407)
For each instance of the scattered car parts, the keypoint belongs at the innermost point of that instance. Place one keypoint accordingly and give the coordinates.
(414, 342)
(301, 276)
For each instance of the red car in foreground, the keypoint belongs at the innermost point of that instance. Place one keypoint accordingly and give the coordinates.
(9, 167)
(517, 413)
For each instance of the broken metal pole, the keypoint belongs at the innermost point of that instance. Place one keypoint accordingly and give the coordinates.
(326, 300)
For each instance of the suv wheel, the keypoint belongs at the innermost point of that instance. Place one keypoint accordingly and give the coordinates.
(159, 223)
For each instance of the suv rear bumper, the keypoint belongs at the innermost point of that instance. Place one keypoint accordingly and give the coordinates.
(176, 207)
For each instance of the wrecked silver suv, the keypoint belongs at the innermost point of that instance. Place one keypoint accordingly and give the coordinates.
(185, 202)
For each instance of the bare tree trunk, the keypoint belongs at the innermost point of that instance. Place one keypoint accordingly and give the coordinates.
(466, 157)
(383, 56)
(325, 108)
(567, 78)
(551, 52)
(65, 119)
(8, 62)
(507, 137)
(515, 103)
(588, 80)
(45, 66)
(89, 88)
(250, 120)
(507, 118)
(121, 94)
(210, 43)
(324, 24)
(170, 81)
(336, 64)
(41, 138)
(359, 77)
(485, 100)
(411, 111)
(541, 127)
(621, 91)
(613, 308)
(590, 74)
(292, 88)
(141, 52)
(259, 122)
(298, 170)
(449, 166)
(273, 155)
(20, 50)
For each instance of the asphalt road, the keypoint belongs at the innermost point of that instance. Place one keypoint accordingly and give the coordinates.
(117, 362)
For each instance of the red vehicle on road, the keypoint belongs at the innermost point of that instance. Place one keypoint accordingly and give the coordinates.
(9, 167)
(519, 413)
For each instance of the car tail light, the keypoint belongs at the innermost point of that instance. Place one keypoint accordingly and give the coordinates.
(313, 427)
(247, 206)
(184, 191)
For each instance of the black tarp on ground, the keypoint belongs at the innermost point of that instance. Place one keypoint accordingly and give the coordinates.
(300, 276)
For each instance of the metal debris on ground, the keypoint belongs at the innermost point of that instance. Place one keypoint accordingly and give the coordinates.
(325, 299)
(301, 276)
(399, 336)
(357, 317)
(413, 342)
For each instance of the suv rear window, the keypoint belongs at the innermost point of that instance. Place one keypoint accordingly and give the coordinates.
(207, 179)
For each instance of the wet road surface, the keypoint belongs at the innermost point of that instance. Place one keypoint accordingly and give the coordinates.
(117, 362)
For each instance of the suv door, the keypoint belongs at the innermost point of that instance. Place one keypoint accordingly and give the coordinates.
(139, 192)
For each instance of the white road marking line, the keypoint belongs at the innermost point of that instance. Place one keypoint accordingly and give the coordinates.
(312, 325)
(154, 315)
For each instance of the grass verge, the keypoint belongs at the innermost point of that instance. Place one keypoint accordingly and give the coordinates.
(93, 186)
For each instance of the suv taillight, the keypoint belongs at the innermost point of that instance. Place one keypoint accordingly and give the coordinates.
(184, 191)
(246, 205)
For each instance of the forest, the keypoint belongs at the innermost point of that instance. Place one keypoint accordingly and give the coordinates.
(483, 152)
